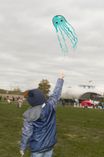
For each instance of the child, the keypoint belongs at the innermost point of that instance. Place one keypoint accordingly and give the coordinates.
(39, 130)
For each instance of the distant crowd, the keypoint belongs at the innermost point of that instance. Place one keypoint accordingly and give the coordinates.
(18, 100)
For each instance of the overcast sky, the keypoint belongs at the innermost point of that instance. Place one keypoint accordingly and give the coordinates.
(29, 49)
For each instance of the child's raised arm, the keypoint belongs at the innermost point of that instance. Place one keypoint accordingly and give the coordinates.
(53, 99)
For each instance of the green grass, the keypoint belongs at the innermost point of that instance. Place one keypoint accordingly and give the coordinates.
(80, 132)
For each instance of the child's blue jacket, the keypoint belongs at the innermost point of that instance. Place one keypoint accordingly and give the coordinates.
(39, 131)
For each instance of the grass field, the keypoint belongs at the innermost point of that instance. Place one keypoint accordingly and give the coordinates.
(80, 131)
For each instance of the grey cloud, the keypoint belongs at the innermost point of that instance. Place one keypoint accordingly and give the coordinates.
(29, 49)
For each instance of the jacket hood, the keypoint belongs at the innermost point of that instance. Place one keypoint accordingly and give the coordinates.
(33, 113)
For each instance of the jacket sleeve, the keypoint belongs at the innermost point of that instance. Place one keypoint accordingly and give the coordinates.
(27, 131)
(53, 99)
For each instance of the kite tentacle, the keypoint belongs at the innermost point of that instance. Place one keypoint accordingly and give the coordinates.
(71, 32)
(59, 39)
(70, 29)
(64, 42)
(64, 50)
(69, 36)
(68, 25)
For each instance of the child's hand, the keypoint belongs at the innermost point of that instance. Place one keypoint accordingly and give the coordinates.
(61, 74)
(22, 153)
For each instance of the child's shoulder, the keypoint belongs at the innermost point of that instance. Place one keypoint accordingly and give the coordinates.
(33, 113)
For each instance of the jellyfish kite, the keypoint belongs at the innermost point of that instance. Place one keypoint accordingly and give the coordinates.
(63, 29)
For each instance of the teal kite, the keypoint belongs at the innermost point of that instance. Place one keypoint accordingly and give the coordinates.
(63, 28)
